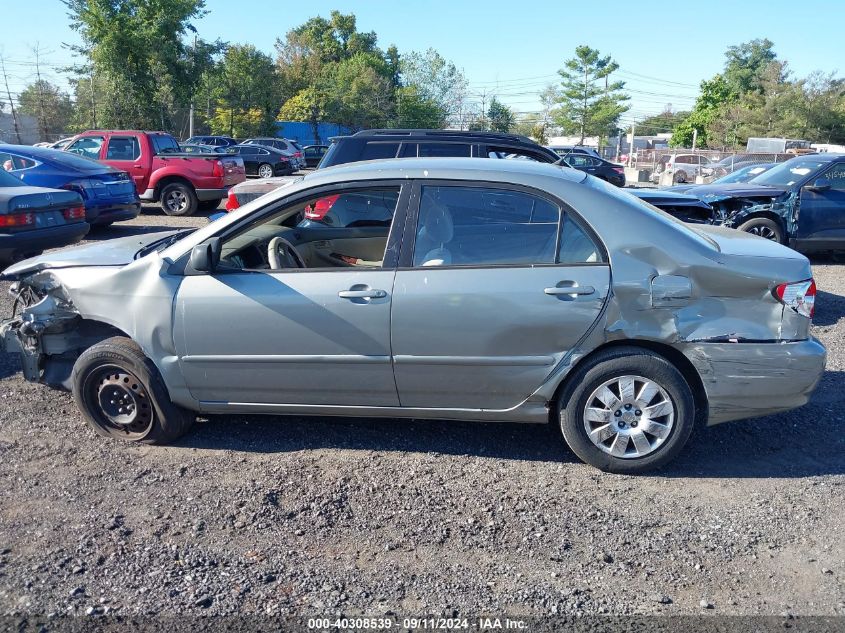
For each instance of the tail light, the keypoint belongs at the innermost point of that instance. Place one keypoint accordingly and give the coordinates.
(800, 296)
(232, 202)
(15, 220)
(320, 208)
(618, 170)
(74, 213)
(298, 154)
(218, 170)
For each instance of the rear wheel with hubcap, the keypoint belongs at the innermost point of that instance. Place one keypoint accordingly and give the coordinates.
(627, 411)
(178, 198)
(265, 170)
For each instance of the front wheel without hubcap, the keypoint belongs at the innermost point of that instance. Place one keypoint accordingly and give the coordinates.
(121, 394)
(627, 411)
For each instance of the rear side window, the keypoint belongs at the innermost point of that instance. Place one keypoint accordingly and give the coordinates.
(375, 151)
(123, 148)
(164, 143)
(475, 226)
(463, 150)
(13, 162)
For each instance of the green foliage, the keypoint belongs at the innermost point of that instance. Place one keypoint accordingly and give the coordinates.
(746, 63)
(243, 86)
(590, 104)
(715, 94)
(49, 105)
(136, 49)
(436, 80)
(661, 123)
(501, 118)
(417, 111)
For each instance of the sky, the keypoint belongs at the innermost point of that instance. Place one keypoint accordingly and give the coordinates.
(505, 48)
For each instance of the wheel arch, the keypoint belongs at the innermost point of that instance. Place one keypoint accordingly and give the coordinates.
(678, 360)
(768, 214)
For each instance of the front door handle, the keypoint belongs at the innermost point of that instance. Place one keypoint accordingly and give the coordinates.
(569, 289)
(362, 294)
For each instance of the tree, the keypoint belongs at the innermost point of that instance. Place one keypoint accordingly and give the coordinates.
(417, 111)
(436, 80)
(49, 105)
(666, 121)
(360, 94)
(590, 104)
(307, 105)
(244, 86)
(746, 63)
(500, 116)
(137, 50)
(715, 93)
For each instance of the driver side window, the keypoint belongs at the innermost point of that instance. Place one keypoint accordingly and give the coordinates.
(345, 229)
(836, 176)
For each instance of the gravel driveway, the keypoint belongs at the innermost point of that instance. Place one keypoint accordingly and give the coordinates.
(357, 516)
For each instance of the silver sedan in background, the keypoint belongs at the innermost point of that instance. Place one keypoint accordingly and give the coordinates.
(457, 289)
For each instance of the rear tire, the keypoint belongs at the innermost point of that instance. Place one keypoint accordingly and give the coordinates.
(633, 432)
(122, 395)
(763, 227)
(178, 198)
(265, 170)
(680, 176)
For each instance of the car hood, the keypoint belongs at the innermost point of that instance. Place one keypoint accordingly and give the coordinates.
(116, 252)
(711, 193)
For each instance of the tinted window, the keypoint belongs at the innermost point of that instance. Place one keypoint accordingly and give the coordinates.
(577, 160)
(368, 207)
(445, 149)
(469, 226)
(374, 151)
(576, 247)
(88, 146)
(247, 150)
(518, 153)
(164, 143)
(123, 148)
(13, 162)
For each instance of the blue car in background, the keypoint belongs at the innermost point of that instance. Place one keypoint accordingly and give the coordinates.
(108, 194)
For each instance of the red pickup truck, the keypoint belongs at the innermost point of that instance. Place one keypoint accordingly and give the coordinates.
(182, 183)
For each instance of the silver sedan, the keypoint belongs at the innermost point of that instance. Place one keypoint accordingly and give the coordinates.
(456, 289)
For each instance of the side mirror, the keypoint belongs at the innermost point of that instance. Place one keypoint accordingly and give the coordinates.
(206, 256)
(821, 184)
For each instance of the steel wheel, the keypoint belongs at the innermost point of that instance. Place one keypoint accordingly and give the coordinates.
(265, 171)
(117, 400)
(629, 416)
(176, 201)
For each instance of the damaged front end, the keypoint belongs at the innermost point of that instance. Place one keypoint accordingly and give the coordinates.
(45, 330)
(734, 210)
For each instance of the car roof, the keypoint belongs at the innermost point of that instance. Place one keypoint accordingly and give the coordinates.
(442, 134)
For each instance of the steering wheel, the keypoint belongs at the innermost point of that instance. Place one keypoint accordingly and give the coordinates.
(283, 254)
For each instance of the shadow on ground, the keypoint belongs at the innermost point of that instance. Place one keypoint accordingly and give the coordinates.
(802, 443)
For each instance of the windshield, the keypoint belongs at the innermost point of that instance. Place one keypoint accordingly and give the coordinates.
(788, 173)
(742, 175)
(160, 245)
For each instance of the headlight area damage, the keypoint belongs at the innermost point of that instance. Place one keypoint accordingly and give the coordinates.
(47, 330)
(734, 210)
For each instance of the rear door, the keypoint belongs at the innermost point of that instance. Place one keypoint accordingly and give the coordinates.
(124, 153)
(495, 285)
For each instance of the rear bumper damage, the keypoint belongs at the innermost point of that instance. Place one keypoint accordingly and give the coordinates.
(747, 380)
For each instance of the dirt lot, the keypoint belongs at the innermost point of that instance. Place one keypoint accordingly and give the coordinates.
(324, 516)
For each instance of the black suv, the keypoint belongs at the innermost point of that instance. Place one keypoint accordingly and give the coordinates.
(377, 144)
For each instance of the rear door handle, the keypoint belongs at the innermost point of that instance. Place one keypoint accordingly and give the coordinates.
(570, 289)
(362, 294)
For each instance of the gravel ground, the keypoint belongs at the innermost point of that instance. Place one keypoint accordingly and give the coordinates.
(323, 516)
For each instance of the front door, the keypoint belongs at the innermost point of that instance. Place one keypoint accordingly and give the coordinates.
(261, 330)
(493, 297)
(821, 219)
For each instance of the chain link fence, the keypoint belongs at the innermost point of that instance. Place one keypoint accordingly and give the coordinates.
(672, 166)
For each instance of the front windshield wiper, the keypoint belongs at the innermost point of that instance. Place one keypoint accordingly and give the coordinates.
(163, 243)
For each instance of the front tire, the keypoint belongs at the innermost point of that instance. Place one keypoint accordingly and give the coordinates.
(122, 395)
(178, 198)
(627, 411)
(763, 227)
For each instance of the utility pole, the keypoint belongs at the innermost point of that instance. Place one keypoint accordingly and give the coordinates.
(93, 104)
(694, 137)
(191, 113)
(42, 119)
(11, 103)
(631, 145)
